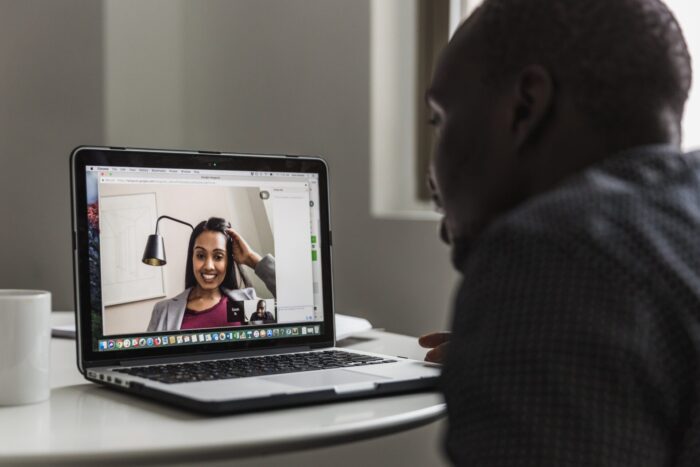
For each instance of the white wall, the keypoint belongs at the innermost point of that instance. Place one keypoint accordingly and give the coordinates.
(50, 102)
(278, 77)
(143, 71)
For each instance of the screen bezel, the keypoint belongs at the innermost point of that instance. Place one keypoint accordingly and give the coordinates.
(85, 156)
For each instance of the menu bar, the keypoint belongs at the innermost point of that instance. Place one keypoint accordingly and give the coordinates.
(109, 171)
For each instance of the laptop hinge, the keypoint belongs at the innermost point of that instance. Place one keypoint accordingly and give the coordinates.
(212, 356)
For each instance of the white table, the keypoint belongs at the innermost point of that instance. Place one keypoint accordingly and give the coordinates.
(86, 423)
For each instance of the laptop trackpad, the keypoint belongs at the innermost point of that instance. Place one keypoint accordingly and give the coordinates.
(323, 378)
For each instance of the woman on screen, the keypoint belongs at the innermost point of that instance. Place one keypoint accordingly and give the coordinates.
(213, 278)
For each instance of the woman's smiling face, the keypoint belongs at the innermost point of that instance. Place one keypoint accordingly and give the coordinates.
(209, 259)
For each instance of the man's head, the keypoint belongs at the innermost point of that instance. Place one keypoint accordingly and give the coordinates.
(530, 91)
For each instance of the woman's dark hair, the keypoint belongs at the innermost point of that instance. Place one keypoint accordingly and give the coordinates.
(234, 278)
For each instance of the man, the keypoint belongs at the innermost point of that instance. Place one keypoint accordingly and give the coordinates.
(575, 220)
(261, 314)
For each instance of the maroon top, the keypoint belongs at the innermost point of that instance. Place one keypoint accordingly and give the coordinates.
(214, 317)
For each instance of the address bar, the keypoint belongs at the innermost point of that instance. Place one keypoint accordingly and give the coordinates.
(193, 181)
(159, 181)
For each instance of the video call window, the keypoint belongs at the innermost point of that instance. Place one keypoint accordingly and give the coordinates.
(183, 250)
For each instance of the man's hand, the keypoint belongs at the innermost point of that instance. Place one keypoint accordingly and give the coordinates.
(242, 253)
(438, 342)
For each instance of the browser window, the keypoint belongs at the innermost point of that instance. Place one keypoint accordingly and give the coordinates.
(234, 255)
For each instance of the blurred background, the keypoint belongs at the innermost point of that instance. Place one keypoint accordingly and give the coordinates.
(342, 79)
(241, 76)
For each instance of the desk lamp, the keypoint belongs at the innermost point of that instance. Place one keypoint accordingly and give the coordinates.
(154, 254)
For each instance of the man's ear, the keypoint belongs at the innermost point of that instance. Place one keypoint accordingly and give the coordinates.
(533, 99)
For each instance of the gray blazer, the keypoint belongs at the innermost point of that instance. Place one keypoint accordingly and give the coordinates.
(167, 314)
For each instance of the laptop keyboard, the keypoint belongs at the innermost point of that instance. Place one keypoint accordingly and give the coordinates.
(252, 366)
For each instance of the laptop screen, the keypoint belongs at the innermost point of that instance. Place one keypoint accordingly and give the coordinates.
(181, 257)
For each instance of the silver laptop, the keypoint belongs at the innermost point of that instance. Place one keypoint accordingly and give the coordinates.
(203, 280)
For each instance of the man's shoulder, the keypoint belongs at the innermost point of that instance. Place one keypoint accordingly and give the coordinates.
(624, 210)
(619, 196)
(595, 281)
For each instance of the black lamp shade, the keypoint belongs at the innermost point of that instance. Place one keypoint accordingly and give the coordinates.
(154, 254)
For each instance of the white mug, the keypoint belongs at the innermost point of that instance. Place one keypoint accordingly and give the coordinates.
(25, 336)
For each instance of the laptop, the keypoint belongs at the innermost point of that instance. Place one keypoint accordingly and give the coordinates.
(204, 280)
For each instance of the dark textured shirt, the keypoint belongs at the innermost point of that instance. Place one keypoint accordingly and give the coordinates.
(576, 333)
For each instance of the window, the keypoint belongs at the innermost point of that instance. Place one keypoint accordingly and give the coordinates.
(407, 37)
(687, 12)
